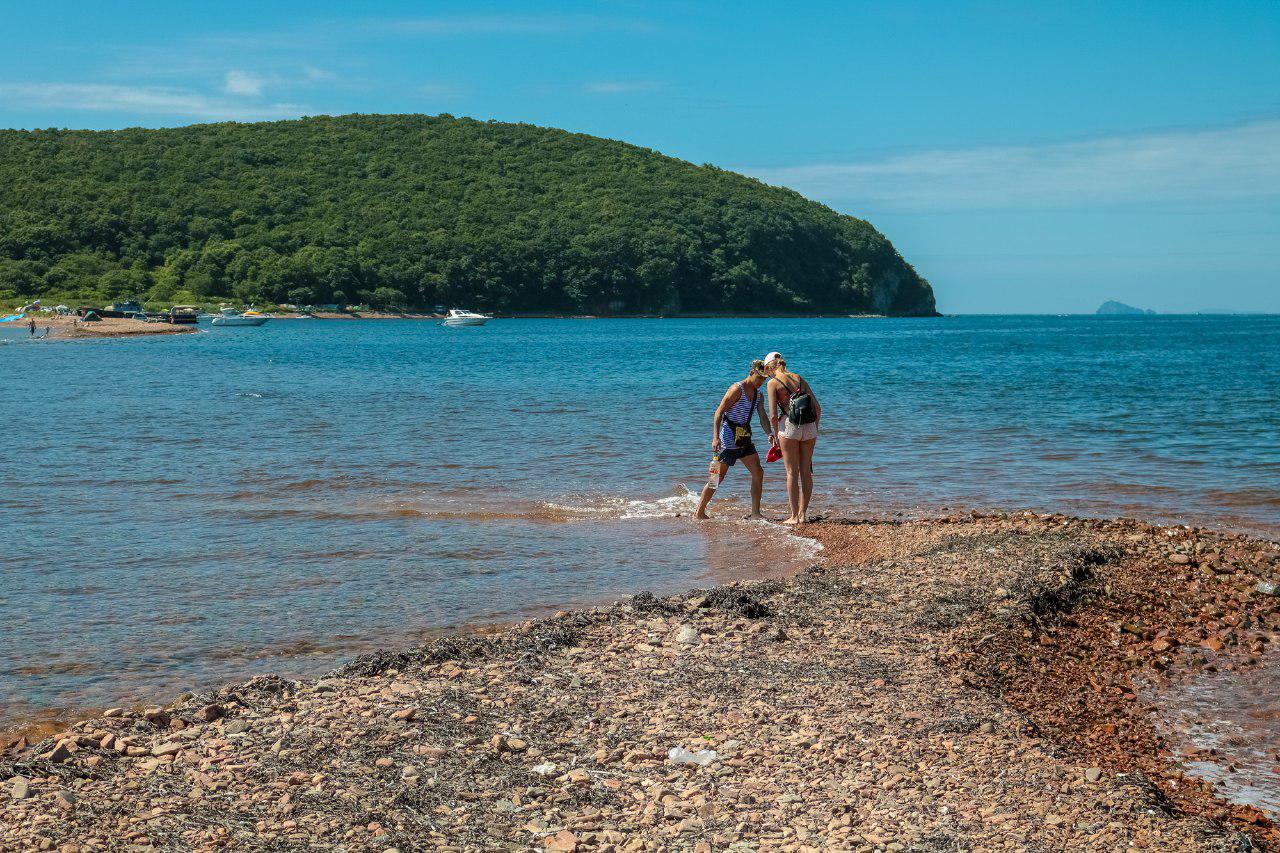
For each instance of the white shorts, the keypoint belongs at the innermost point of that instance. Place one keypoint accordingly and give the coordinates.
(798, 432)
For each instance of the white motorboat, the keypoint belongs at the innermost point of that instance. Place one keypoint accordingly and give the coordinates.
(463, 317)
(232, 317)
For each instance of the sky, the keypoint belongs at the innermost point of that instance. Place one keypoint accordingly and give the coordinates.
(1036, 157)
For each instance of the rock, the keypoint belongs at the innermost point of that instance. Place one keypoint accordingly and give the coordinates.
(162, 749)
(406, 714)
(156, 717)
(59, 753)
(1268, 588)
(1179, 559)
(688, 636)
(20, 788)
(65, 800)
(564, 841)
(1093, 774)
(209, 713)
(235, 727)
(113, 712)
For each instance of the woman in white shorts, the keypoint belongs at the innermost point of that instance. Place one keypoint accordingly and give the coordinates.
(796, 440)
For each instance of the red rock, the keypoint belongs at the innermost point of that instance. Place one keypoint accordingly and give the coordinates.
(564, 841)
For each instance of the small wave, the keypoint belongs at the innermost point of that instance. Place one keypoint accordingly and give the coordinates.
(627, 508)
(1247, 497)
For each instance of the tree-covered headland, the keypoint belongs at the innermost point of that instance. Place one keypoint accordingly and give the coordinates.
(412, 210)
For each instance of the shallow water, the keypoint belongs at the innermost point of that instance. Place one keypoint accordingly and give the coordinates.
(184, 510)
(1225, 727)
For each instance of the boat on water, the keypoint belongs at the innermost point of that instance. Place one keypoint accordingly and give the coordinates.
(232, 317)
(463, 317)
(182, 314)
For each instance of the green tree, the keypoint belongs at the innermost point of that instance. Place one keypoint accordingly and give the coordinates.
(387, 297)
(434, 209)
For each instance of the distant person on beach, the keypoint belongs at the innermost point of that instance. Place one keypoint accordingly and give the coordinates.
(32, 326)
(795, 413)
(731, 437)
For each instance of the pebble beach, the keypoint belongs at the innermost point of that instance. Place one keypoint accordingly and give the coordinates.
(967, 682)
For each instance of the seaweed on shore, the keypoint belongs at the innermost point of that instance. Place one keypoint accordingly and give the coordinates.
(528, 642)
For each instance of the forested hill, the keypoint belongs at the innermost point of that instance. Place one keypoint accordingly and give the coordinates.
(410, 210)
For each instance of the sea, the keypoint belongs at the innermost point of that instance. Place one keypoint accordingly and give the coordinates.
(180, 511)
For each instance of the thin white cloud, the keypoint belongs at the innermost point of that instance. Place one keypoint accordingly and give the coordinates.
(1209, 165)
(472, 25)
(243, 83)
(138, 100)
(316, 75)
(619, 87)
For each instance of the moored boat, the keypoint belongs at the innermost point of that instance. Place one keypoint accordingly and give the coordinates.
(232, 317)
(463, 317)
(183, 314)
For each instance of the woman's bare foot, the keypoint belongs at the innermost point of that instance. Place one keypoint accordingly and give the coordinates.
(701, 515)
(791, 520)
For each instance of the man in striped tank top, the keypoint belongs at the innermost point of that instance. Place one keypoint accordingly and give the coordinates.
(731, 436)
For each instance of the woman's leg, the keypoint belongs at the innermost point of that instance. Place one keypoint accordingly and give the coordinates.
(806, 476)
(791, 458)
(707, 492)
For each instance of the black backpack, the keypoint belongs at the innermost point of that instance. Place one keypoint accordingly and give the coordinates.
(801, 408)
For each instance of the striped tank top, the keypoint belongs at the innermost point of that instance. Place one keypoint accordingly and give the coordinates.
(739, 413)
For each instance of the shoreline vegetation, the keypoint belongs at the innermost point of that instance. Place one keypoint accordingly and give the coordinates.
(967, 681)
(418, 211)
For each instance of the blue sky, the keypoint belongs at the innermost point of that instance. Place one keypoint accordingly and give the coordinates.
(1037, 157)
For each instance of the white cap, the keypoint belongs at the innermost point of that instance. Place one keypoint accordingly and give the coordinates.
(772, 357)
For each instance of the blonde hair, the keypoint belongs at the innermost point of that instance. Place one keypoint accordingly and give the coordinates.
(779, 363)
(757, 368)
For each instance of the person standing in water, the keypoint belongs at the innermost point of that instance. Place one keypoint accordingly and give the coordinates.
(797, 440)
(731, 437)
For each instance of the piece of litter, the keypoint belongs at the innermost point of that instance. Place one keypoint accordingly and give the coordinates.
(545, 769)
(680, 755)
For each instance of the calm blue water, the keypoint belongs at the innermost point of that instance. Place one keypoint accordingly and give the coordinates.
(184, 510)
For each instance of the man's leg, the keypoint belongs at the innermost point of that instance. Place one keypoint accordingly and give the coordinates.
(707, 492)
(757, 483)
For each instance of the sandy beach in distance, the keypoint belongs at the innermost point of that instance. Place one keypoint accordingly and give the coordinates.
(64, 327)
(964, 682)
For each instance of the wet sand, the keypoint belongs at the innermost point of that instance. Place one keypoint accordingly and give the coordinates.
(62, 328)
(961, 683)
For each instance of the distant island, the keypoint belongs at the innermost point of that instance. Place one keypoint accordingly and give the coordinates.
(413, 211)
(1113, 307)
